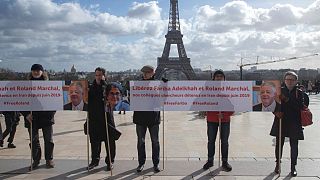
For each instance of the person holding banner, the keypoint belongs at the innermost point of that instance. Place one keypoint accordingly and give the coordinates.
(213, 119)
(40, 120)
(98, 110)
(291, 103)
(147, 120)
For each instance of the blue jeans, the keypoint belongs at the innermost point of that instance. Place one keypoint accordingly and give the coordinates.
(154, 134)
(212, 130)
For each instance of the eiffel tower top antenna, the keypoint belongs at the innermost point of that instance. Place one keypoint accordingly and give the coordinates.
(174, 23)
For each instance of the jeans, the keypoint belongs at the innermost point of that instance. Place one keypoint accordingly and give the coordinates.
(212, 130)
(96, 150)
(154, 134)
(293, 150)
(48, 143)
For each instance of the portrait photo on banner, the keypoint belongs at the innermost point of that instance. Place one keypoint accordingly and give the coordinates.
(118, 96)
(75, 95)
(266, 96)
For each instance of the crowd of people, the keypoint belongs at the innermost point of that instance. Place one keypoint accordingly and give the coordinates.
(104, 97)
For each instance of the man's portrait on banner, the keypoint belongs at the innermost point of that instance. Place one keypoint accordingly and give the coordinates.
(266, 96)
(76, 96)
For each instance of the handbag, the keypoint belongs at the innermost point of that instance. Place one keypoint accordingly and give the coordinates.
(115, 133)
(305, 114)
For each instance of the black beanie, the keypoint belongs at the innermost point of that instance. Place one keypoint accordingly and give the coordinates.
(218, 72)
(36, 67)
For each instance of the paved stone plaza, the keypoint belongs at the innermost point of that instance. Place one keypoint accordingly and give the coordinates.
(185, 149)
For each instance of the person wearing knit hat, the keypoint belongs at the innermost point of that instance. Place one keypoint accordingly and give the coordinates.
(36, 67)
(40, 120)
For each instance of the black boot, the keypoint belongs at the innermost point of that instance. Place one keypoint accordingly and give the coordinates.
(293, 171)
(11, 145)
(93, 164)
(109, 166)
(226, 166)
(207, 165)
(35, 165)
(140, 168)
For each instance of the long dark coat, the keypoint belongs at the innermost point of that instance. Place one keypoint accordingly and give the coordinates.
(291, 122)
(96, 111)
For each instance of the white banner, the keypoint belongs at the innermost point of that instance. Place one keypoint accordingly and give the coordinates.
(31, 95)
(191, 96)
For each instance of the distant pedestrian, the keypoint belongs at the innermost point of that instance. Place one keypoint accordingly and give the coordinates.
(309, 87)
(12, 119)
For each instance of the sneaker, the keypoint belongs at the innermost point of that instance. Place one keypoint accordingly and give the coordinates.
(35, 165)
(140, 168)
(49, 164)
(10, 145)
(226, 166)
(207, 165)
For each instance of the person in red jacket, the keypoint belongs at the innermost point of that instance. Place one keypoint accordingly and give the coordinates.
(212, 130)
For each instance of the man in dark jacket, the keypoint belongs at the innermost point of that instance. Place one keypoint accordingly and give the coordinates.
(40, 120)
(147, 120)
(97, 121)
(291, 104)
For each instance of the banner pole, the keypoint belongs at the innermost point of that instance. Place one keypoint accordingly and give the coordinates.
(31, 140)
(219, 138)
(107, 130)
(163, 138)
(279, 145)
(87, 128)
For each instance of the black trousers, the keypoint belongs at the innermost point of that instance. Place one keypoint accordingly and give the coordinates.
(212, 131)
(48, 143)
(11, 127)
(96, 150)
(293, 149)
(154, 134)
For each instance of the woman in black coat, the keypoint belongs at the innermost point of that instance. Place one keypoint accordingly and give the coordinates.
(291, 104)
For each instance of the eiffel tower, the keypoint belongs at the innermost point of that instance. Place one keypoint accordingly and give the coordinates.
(174, 36)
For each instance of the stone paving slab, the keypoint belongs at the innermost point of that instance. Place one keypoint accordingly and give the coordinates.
(125, 169)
